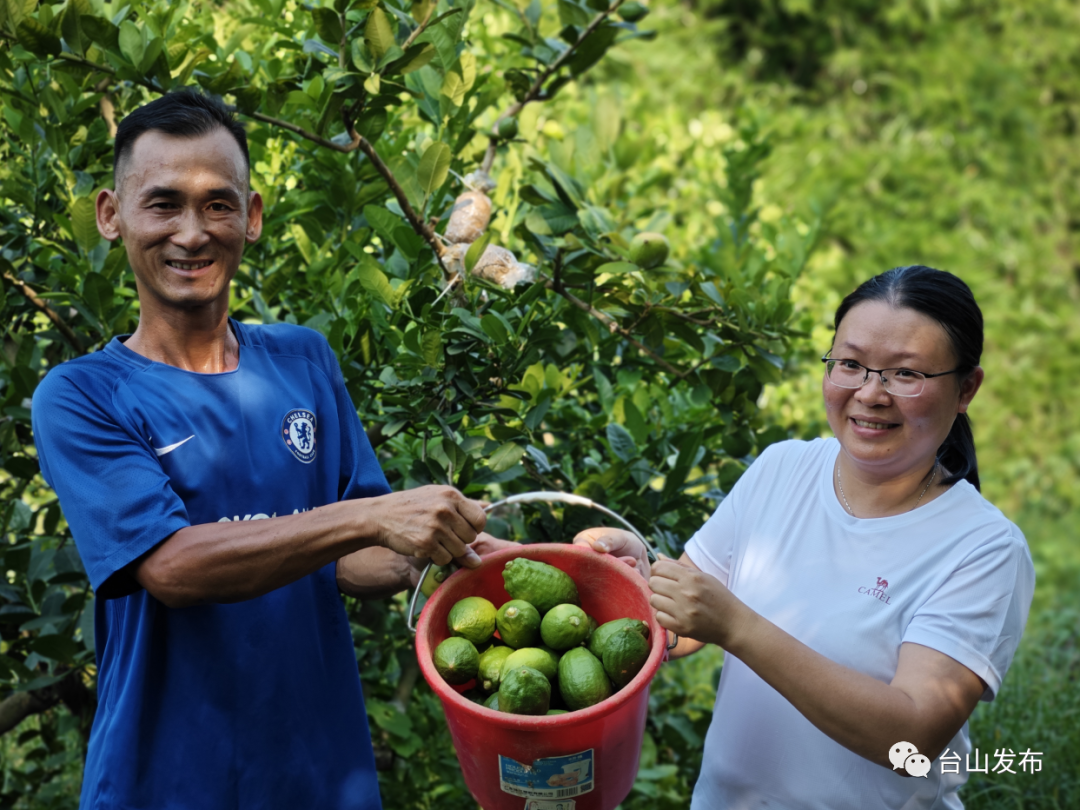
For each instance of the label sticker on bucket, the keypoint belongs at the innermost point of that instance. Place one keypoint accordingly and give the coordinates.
(551, 778)
(549, 804)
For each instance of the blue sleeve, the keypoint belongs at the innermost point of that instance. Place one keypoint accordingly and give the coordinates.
(115, 496)
(361, 474)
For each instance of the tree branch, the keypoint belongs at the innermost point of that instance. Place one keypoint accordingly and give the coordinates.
(17, 707)
(50, 313)
(611, 325)
(71, 691)
(534, 92)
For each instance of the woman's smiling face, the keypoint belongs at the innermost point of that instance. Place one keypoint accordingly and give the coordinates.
(885, 435)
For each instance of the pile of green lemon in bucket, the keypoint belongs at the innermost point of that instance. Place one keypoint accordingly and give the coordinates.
(548, 650)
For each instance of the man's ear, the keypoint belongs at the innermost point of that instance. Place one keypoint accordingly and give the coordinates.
(108, 214)
(254, 216)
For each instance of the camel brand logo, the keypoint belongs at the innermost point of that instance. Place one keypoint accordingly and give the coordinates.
(298, 431)
(878, 591)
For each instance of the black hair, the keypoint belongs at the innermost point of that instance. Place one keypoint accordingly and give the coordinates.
(947, 300)
(185, 114)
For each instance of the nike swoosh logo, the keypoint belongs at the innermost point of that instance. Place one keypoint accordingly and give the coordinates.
(160, 451)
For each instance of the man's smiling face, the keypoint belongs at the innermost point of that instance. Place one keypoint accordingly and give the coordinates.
(183, 209)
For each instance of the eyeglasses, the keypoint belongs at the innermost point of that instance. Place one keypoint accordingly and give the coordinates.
(900, 382)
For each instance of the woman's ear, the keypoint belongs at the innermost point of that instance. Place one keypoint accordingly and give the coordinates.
(969, 386)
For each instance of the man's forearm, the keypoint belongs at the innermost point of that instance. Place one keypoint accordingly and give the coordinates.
(231, 562)
(375, 573)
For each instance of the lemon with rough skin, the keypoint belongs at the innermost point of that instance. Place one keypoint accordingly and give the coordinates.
(539, 658)
(456, 660)
(600, 636)
(564, 627)
(582, 680)
(541, 585)
(624, 655)
(519, 624)
(436, 575)
(525, 690)
(491, 663)
(473, 618)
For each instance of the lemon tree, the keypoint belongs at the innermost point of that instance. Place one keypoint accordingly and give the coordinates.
(633, 382)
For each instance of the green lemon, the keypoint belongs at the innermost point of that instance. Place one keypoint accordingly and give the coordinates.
(553, 712)
(472, 618)
(582, 680)
(525, 690)
(599, 638)
(649, 250)
(491, 664)
(519, 624)
(624, 655)
(564, 627)
(436, 575)
(508, 129)
(456, 660)
(492, 702)
(541, 585)
(539, 658)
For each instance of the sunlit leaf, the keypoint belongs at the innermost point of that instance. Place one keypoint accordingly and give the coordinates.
(434, 167)
(378, 33)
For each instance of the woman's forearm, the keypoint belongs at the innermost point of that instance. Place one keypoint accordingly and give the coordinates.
(861, 713)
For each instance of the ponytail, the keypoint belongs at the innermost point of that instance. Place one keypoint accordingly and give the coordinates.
(957, 453)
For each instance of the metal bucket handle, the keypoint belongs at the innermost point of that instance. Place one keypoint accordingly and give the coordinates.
(547, 497)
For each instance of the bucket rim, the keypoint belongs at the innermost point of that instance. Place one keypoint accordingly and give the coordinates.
(447, 694)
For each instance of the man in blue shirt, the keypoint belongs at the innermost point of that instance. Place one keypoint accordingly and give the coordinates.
(221, 492)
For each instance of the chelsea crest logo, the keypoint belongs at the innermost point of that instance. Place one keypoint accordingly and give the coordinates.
(298, 431)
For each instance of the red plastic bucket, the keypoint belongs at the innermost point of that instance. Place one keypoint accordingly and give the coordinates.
(588, 757)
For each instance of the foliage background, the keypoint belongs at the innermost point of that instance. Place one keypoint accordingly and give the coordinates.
(932, 132)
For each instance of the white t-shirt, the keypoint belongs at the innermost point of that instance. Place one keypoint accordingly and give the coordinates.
(954, 575)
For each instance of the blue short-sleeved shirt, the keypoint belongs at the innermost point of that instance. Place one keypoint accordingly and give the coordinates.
(255, 704)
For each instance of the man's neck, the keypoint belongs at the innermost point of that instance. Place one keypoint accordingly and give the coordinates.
(197, 340)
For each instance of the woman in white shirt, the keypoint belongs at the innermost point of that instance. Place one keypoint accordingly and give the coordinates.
(866, 595)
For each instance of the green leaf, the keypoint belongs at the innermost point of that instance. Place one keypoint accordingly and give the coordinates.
(495, 328)
(688, 449)
(132, 42)
(434, 166)
(415, 58)
(453, 89)
(616, 268)
(56, 648)
(71, 28)
(476, 250)
(84, 223)
(328, 25)
(98, 294)
(505, 457)
(431, 347)
(374, 280)
(571, 13)
(38, 39)
(622, 443)
(378, 34)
